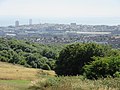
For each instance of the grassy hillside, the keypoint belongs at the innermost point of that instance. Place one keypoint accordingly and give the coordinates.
(16, 77)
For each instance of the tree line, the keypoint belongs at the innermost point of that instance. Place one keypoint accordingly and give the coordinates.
(29, 54)
(88, 59)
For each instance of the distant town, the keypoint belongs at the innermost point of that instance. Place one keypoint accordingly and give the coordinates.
(47, 33)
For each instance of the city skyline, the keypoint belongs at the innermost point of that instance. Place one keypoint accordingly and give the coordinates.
(60, 11)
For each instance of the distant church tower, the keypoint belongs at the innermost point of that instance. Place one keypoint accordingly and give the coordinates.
(16, 23)
(30, 21)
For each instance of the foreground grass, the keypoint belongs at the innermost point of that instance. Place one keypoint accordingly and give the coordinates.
(16, 77)
(14, 84)
(76, 83)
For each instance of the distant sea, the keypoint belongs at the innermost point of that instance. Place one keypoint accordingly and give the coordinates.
(7, 21)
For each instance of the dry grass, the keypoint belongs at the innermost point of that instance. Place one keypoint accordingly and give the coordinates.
(17, 72)
(17, 77)
(6, 87)
(77, 83)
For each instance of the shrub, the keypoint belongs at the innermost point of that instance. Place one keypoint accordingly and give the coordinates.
(75, 56)
(117, 74)
(102, 67)
(46, 67)
(27, 53)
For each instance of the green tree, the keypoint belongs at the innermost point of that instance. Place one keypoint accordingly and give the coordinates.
(46, 67)
(75, 56)
(102, 67)
(49, 53)
(15, 58)
(32, 60)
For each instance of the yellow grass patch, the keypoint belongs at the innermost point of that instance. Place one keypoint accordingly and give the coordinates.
(17, 72)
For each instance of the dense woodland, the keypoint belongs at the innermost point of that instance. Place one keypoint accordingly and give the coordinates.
(29, 54)
(88, 59)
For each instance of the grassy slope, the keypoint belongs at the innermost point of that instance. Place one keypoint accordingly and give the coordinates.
(16, 77)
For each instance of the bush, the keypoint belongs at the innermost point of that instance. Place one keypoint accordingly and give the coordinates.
(27, 53)
(102, 67)
(117, 74)
(51, 63)
(4, 59)
(75, 56)
(46, 67)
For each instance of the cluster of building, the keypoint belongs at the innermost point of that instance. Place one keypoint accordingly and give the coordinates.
(63, 33)
(17, 23)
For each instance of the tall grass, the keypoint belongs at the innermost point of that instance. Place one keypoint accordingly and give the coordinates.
(76, 83)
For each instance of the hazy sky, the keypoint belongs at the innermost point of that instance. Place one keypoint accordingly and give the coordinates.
(55, 11)
(60, 8)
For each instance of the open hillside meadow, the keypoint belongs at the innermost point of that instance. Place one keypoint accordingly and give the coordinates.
(16, 77)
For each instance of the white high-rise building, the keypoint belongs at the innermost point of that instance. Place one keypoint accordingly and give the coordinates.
(16, 23)
(30, 21)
